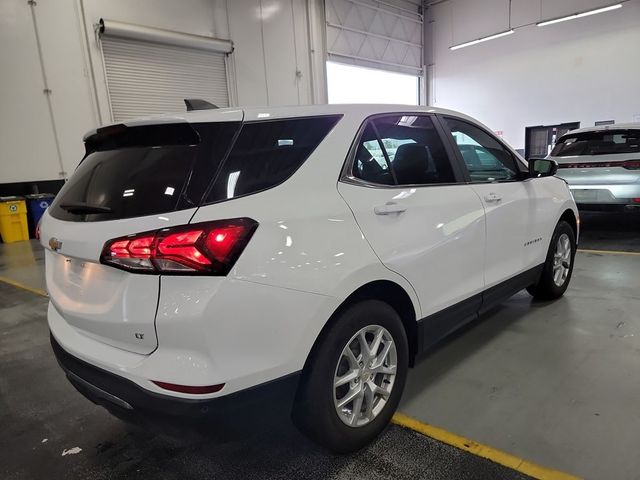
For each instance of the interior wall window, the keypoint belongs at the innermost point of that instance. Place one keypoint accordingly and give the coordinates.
(485, 158)
(407, 150)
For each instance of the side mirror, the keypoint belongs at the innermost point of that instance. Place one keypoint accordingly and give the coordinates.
(542, 167)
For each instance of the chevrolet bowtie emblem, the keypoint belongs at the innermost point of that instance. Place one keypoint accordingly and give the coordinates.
(55, 244)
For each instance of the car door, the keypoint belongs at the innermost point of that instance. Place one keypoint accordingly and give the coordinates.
(416, 212)
(509, 200)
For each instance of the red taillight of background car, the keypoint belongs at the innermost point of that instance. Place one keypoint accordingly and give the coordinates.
(631, 164)
(210, 248)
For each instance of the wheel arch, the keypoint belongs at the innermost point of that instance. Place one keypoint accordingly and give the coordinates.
(570, 217)
(389, 292)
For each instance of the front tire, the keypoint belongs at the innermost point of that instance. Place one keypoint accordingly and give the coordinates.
(354, 378)
(558, 266)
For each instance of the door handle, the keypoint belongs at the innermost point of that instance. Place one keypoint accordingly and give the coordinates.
(389, 208)
(492, 198)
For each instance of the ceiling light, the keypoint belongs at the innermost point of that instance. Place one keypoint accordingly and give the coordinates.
(480, 40)
(579, 15)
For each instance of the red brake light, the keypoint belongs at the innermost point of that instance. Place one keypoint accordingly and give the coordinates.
(631, 164)
(189, 388)
(220, 241)
(205, 248)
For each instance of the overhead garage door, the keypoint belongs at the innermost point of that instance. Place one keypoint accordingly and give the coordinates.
(148, 77)
(375, 34)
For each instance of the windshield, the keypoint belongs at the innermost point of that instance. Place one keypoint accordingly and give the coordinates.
(598, 143)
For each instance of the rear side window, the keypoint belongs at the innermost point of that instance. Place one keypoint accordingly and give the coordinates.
(138, 171)
(402, 150)
(598, 143)
(267, 153)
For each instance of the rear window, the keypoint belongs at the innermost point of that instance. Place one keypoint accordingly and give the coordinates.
(147, 170)
(267, 153)
(139, 171)
(598, 143)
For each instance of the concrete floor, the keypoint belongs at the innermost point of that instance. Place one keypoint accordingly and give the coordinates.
(554, 383)
(42, 417)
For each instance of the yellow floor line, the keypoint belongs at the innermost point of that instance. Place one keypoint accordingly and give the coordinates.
(611, 252)
(497, 456)
(37, 291)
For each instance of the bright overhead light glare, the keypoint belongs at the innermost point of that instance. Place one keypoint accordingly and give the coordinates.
(480, 40)
(579, 15)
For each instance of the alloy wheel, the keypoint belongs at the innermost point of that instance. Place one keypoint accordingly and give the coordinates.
(365, 375)
(562, 260)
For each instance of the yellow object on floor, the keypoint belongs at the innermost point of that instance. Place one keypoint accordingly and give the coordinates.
(13, 220)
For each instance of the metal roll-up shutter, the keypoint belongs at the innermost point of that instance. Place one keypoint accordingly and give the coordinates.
(375, 34)
(148, 77)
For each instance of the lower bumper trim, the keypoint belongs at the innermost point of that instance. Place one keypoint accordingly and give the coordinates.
(117, 393)
(98, 392)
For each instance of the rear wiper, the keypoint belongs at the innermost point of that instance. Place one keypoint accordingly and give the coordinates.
(81, 208)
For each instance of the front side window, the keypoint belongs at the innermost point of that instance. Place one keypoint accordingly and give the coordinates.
(485, 158)
(402, 150)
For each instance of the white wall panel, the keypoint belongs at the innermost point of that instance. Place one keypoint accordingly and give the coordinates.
(270, 40)
(472, 19)
(65, 61)
(277, 31)
(245, 27)
(27, 145)
(524, 12)
(580, 70)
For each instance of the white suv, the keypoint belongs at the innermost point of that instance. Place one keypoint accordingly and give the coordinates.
(197, 260)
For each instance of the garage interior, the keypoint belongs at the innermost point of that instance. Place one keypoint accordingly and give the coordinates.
(530, 390)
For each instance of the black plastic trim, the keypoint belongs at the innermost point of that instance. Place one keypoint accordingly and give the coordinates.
(98, 385)
(435, 327)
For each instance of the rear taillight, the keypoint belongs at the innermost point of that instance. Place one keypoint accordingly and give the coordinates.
(628, 164)
(210, 248)
(631, 164)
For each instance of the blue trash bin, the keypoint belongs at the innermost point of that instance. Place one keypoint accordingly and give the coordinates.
(37, 204)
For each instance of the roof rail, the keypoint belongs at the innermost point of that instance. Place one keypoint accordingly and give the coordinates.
(198, 104)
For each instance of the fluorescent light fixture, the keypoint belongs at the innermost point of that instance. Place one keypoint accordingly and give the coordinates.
(580, 15)
(480, 40)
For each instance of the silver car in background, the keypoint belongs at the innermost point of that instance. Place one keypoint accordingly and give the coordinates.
(602, 166)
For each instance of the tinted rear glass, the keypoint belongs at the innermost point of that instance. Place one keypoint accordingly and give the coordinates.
(267, 153)
(598, 143)
(138, 171)
(147, 170)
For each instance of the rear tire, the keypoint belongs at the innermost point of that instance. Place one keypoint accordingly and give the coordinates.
(558, 266)
(318, 410)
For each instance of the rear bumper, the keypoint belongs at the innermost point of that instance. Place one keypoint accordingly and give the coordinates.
(615, 195)
(123, 396)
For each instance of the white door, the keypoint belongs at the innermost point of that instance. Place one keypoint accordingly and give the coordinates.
(421, 222)
(509, 201)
